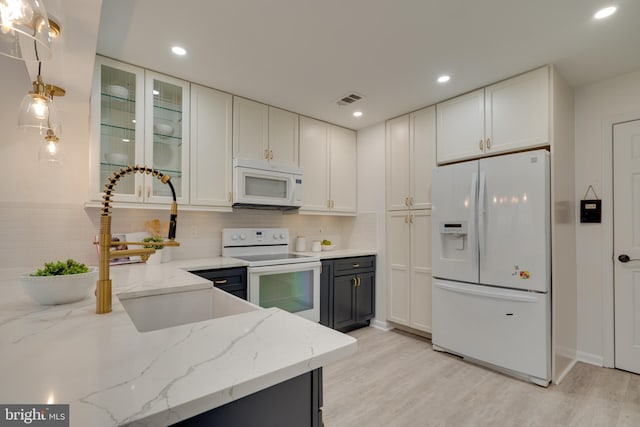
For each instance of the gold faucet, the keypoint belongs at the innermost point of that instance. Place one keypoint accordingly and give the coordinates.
(103, 286)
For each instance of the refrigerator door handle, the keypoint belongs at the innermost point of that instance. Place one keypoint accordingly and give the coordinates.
(481, 212)
(474, 198)
(494, 293)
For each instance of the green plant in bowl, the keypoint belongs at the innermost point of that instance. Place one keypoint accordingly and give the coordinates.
(61, 268)
(152, 239)
(60, 282)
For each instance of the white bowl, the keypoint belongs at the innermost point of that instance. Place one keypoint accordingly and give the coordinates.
(328, 247)
(163, 128)
(51, 290)
(116, 158)
(116, 90)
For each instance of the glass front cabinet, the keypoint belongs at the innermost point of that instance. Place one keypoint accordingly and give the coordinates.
(139, 117)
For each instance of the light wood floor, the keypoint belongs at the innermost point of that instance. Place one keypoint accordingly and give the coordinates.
(396, 379)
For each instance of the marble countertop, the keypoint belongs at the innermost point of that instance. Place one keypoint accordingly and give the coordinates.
(111, 374)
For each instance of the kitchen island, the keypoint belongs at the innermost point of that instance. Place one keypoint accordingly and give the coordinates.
(111, 374)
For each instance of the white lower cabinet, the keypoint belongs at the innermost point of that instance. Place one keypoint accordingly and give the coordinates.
(409, 268)
(211, 147)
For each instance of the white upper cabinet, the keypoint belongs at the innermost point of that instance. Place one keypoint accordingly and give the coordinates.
(283, 137)
(328, 162)
(167, 136)
(211, 145)
(139, 118)
(250, 129)
(507, 116)
(460, 127)
(517, 112)
(264, 133)
(410, 150)
(342, 168)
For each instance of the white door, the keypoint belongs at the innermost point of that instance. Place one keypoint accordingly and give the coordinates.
(314, 157)
(398, 157)
(460, 127)
(626, 195)
(342, 155)
(250, 129)
(420, 291)
(513, 221)
(283, 137)
(517, 112)
(422, 156)
(211, 122)
(399, 273)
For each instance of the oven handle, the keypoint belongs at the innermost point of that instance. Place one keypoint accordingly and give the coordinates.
(285, 268)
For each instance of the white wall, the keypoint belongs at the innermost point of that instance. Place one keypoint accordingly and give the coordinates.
(596, 107)
(371, 203)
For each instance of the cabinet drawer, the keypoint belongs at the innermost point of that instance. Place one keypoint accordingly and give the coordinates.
(354, 265)
(232, 280)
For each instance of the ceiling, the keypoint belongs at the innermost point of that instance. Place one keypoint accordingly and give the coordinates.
(302, 55)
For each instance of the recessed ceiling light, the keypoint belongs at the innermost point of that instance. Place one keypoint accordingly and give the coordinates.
(443, 79)
(179, 50)
(357, 114)
(603, 13)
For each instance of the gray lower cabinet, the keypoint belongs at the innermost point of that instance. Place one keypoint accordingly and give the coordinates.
(293, 403)
(231, 280)
(347, 292)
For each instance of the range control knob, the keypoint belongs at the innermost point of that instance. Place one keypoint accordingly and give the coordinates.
(243, 236)
(282, 236)
(234, 237)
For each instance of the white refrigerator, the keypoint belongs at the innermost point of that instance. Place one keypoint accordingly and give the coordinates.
(492, 263)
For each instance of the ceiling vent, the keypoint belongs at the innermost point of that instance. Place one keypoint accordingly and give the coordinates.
(349, 99)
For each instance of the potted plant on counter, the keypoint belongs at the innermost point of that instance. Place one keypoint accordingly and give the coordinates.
(161, 254)
(60, 282)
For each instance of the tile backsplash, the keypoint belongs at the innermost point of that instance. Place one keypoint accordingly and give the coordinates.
(33, 233)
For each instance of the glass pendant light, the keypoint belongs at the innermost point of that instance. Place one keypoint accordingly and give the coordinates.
(37, 111)
(50, 151)
(24, 30)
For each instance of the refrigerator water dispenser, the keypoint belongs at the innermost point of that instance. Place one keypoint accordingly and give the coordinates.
(454, 236)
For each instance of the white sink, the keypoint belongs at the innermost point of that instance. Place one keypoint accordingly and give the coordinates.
(160, 311)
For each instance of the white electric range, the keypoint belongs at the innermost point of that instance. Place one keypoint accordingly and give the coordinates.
(277, 277)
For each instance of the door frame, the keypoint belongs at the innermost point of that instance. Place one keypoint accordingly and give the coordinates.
(608, 308)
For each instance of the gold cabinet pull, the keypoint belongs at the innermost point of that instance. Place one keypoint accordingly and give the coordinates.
(270, 154)
(358, 282)
(220, 282)
(354, 281)
(406, 219)
(266, 154)
(148, 192)
(406, 201)
(411, 201)
(230, 195)
(329, 204)
(481, 145)
(139, 191)
(356, 265)
(488, 143)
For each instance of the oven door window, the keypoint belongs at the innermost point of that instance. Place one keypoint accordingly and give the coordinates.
(292, 291)
(257, 186)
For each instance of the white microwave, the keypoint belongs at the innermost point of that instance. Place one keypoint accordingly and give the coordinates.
(265, 186)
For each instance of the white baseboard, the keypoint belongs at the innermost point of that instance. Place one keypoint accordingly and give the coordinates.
(382, 325)
(566, 371)
(592, 359)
